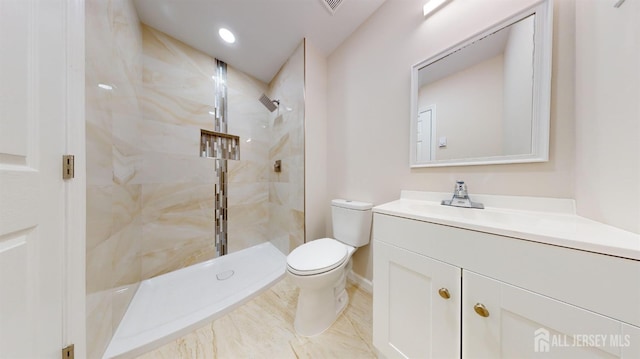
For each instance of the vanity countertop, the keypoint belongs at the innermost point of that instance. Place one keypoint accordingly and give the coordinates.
(545, 220)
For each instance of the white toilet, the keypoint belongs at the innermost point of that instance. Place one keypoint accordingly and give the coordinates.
(319, 268)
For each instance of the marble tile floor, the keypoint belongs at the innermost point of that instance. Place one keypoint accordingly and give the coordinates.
(263, 328)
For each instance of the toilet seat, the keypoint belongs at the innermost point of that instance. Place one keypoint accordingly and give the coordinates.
(315, 257)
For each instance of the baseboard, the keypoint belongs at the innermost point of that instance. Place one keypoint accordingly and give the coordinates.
(360, 282)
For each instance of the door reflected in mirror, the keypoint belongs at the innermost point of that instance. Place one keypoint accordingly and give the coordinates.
(485, 100)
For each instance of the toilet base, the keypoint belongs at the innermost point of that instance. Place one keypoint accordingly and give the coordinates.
(319, 306)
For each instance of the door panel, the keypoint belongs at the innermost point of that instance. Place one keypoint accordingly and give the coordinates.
(523, 324)
(410, 317)
(32, 139)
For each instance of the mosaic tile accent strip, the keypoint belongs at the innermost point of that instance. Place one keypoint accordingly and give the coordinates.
(221, 153)
(219, 145)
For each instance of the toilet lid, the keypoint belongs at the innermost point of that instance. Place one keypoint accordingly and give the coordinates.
(317, 256)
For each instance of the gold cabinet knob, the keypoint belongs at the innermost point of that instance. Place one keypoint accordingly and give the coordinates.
(481, 310)
(444, 293)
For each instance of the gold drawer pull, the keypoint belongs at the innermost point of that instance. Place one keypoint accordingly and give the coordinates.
(481, 310)
(444, 293)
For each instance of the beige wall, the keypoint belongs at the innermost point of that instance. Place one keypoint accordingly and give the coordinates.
(608, 112)
(368, 108)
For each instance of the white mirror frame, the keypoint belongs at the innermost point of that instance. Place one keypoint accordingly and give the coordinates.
(541, 91)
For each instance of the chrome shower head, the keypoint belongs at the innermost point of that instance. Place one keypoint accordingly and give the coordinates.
(270, 104)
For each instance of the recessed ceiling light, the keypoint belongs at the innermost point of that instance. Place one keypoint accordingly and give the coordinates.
(105, 86)
(227, 35)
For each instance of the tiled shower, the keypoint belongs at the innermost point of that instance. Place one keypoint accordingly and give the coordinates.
(150, 195)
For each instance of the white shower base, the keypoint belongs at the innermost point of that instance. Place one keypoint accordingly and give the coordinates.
(171, 305)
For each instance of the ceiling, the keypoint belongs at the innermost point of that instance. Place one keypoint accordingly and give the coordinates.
(267, 31)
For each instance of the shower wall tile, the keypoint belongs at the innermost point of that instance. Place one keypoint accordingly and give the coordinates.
(248, 170)
(178, 226)
(99, 215)
(161, 137)
(99, 266)
(248, 193)
(127, 263)
(169, 168)
(99, 323)
(113, 58)
(99, 155)
(175, 53)
(286, 197)
(180, 82)
(158, 106)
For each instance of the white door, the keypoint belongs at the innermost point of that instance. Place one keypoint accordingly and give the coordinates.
(425, 135)
(32, 211)
(521, 324)
(416, 305)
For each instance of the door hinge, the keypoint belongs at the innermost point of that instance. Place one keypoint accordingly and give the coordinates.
(67, 167)
(67, 353)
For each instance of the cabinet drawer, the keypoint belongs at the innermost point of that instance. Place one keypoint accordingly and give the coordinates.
(600, 283)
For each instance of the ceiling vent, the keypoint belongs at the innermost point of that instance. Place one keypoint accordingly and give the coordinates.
(332, 5)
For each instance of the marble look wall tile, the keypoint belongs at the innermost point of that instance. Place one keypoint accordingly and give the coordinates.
(99, 215)
(158, 106)
(160, 168)
(166, 248)
(127, 263)
(99, 266)
(99, 323)
(242, 237)
(178, 226)
(247, 215)
(113, 57)
(247, 171)
(161, 137)
(175, 53)
(99, 155)
(247, 193)
(279, 193)
(178, 82)
(125, 167)
(281, 148)
(126, 205)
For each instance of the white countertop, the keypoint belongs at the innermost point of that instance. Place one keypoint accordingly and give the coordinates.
(544, 220)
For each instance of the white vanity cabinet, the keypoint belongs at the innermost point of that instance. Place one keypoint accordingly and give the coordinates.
(508, 297)
(520, 323)
(416, 306)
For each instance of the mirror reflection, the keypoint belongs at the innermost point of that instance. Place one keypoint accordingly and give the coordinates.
(476, 101)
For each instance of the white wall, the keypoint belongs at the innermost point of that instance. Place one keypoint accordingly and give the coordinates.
(608, 112)
(468, 110)
(368, 107)
(315, 117)
(518, 88)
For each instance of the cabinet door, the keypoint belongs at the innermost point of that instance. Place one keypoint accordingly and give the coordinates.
(412, 318)
(630, 342)
(523, 324)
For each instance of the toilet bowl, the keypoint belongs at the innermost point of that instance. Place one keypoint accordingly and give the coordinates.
(319, 267)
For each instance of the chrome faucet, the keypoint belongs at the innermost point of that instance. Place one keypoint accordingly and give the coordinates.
(461, 198)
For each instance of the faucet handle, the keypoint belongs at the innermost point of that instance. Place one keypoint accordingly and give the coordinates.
(460, 189)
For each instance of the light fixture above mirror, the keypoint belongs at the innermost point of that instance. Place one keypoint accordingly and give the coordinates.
(431, 6)
(486, 100)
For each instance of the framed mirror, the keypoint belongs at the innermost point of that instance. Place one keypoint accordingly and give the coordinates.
(486, 100)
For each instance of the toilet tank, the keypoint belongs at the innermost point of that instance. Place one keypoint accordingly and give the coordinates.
(351, 222)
